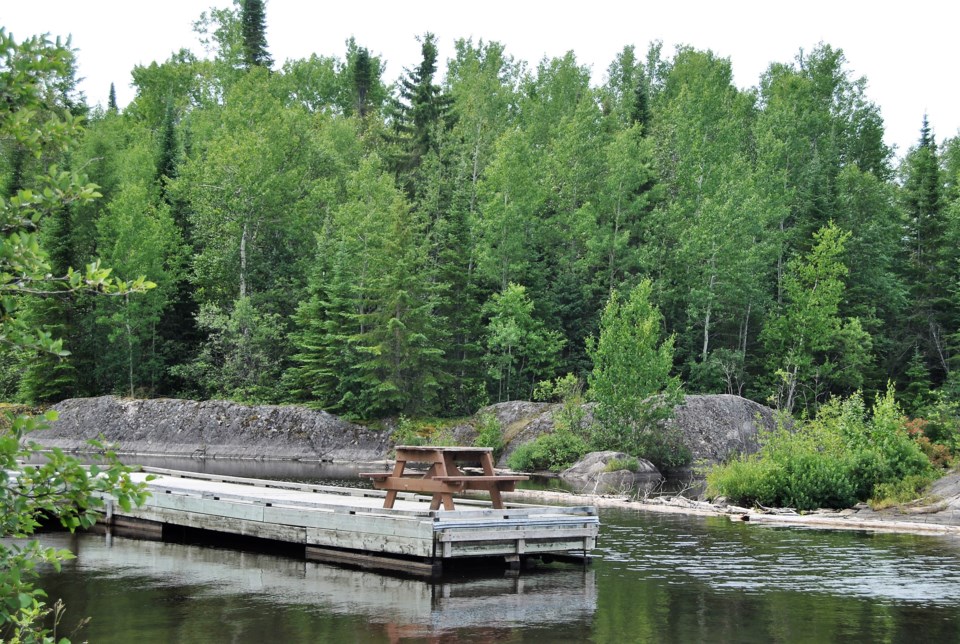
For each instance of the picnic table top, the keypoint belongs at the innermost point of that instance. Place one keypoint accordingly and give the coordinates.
(441, 448)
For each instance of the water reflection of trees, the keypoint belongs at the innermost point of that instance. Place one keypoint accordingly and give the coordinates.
(684, 579)
(135, 588)
(663, 578)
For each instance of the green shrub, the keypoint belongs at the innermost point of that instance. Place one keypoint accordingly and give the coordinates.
(938, 454)
(554, 451)
(834, 460)
(630, 464)
(938, 432)
(631, 381)
(567, 390)
(407, 433)
(422, 432)
(489, 433)
(899, 492)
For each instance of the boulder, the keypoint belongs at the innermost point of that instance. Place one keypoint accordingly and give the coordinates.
(212, 429)
(520, 421)
(719, 427)
(591, 473)
(715, 428)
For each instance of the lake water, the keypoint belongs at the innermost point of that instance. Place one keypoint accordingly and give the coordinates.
(658, 578)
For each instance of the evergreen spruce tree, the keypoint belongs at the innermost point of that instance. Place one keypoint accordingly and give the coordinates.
(169, 151)
(363, 77)
(930, 263)
(112, 100)
(177, 328)
(401, 362)
(253, 26)
(49, 377)
(420, 115)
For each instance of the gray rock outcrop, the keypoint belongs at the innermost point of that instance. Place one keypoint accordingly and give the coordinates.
(592, 473)
(212, 429)
(717, 428)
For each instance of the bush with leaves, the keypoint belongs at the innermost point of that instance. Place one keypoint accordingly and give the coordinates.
(568, 391)
(567, 443)
(489, 433)
(240, 357)
(631, 381)
(554, 451)
(34, 120)
(835, 460)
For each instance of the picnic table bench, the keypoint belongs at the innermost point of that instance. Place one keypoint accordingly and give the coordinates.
(443, 476)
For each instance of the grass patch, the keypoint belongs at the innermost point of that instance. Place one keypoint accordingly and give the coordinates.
(630, 464)
(897, 493)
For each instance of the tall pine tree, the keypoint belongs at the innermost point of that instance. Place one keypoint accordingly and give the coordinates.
(930, 262)
(253, 26)
(419, 116)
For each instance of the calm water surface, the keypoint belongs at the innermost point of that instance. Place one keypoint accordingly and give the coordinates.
(659, 578)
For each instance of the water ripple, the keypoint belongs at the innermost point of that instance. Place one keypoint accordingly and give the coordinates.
(745, 558)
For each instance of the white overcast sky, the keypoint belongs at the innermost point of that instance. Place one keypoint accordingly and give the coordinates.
(907, 50)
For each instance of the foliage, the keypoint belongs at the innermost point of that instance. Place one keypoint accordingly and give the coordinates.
(938, 454)
(489, 433)
(631, 381)
(369, 339)
(834, 460)
(717, 278)
(567, 443)
(253, 27)
(240, 357)
(931, 265)
(895, 493)
(31, 78)
(630, 464)
(519, 348)
(942, 423)
(407, 433)
(422, 431)
(555, 451)
(385, 227)
(812, 349)
(568, 390)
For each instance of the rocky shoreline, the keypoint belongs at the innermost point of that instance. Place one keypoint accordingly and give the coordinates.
(714, 426)
(212, 429)
(943, 520)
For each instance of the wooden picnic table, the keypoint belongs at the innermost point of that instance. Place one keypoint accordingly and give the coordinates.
(443, 476)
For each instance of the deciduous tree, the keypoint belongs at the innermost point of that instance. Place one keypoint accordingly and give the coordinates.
(60, 487)
(631, 381)
(812, 351)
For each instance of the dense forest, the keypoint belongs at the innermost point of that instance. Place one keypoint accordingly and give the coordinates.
(320, 234)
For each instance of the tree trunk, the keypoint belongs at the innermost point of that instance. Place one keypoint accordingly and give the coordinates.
(243, 261)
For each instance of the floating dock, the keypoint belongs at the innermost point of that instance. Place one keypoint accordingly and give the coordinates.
(350, 525)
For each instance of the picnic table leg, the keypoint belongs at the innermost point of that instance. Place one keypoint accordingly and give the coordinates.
(442, 497)
(449, 466)
(392, 494)
(486, 461)
(445, 467)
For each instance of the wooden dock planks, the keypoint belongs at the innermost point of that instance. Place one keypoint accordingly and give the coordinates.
(350, 525)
